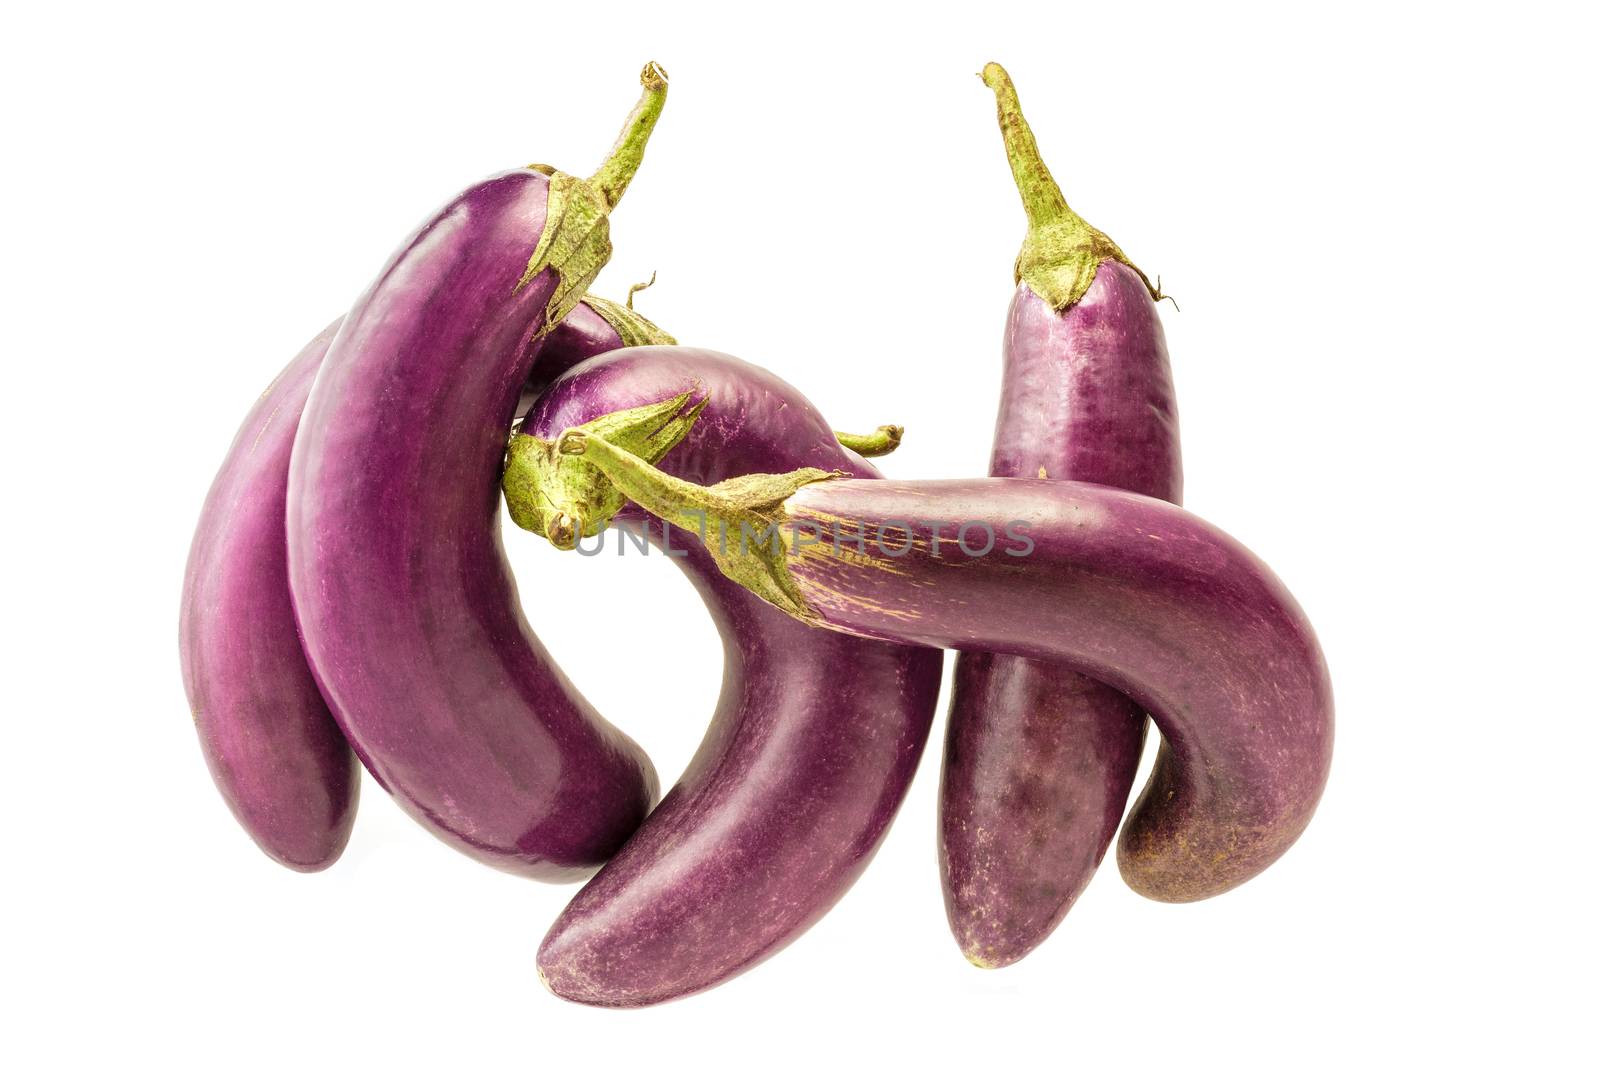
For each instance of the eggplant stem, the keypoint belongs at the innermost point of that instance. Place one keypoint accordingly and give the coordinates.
(612, 179)
(740, 521)
(1157, 295)
(576, 239)
(567, 501)
(639, 287)
(882, 441)
(671, 499)
(1062, 252)
(1041, 196)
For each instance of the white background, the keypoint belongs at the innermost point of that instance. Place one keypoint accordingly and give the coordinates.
(1379, 222)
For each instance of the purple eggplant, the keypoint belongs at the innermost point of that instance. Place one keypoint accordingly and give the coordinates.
(816, 735)
(1133, 592)
(1038, 759)
(275, 753)
(595, 326)
(407, 609)
(274, 750)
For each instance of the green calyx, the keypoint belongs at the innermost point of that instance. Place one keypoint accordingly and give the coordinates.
(1061, 253)
(633, 328)
(576, 241)
(575, 244)
(740, 520)
(564, 501)
(571, 488)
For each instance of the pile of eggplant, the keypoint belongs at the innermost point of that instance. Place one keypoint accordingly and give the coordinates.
(347, 598)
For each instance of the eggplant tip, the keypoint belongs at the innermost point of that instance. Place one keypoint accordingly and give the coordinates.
(562, 531)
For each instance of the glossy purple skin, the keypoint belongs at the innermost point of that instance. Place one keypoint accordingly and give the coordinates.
(813, 744)
(274, 751)
(1038, 759)
(582, 335)
(407, 609)
(1132, 592)
(1087, 393)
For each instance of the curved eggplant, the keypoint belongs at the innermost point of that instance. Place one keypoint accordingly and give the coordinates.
(275, 753)
(1131, 591)
(815, 738)
(1038, 759)
(408, 612)
(593, 327)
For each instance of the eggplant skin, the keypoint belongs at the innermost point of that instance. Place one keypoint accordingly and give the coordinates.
(1039, 760)
(582, 335)
(813, 744)
(1133, 592)
(408, 611)
(275, 752)
(1087, 393)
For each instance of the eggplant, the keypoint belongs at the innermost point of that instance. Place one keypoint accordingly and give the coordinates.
(274, 750)
(595, 326)
(1039, 759)
(408, 612)
(275, 753)
(816, 735)
(1131, 591)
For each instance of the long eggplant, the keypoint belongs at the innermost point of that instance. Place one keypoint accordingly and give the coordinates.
(1131, 591)
(275, 752)
(1039, 759)
(407, 609)
(815, 737)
